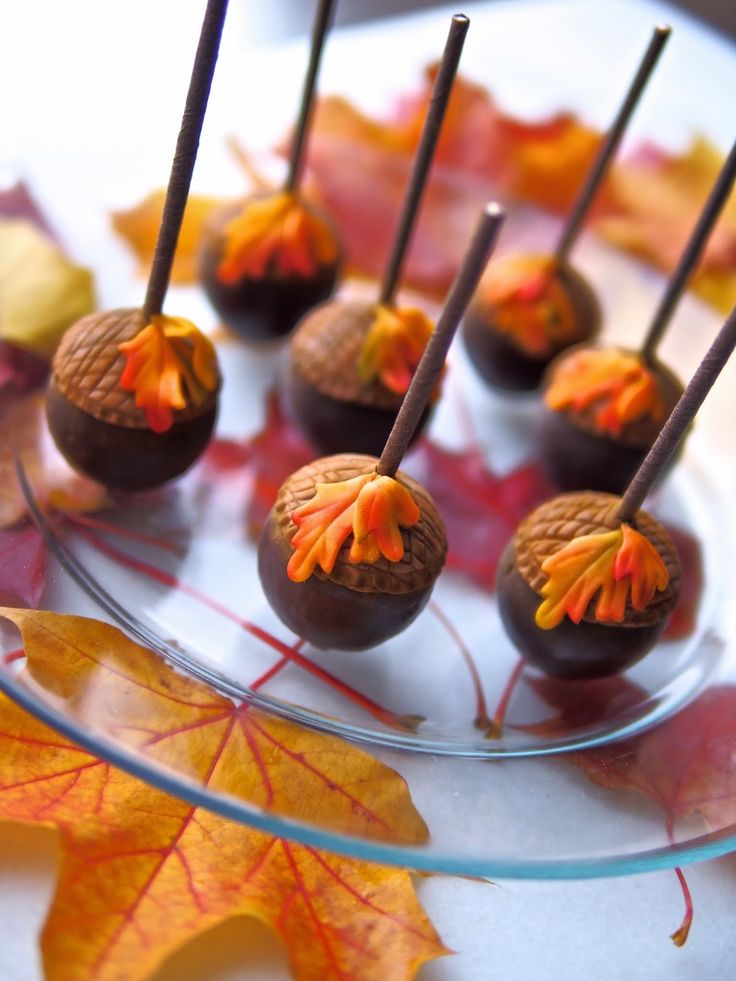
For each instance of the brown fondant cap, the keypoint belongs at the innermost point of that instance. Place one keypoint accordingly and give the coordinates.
(425, 543)
(556, 522)
(325, 350)
(87, 367)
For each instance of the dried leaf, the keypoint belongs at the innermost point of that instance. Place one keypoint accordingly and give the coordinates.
(607, 565)
(141, 872)
(479, 509)
(278, 234)
(619, 385)
(54, 483)
(139, 227)
(23, 566)
(41, 291)
(169, 365)
(393, 347)
(20, 370)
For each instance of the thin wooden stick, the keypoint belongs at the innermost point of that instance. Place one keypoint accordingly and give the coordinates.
(425, 153)
(608, 150)
(185, 155)
(428, 372)
(691, 256)
(321, 26)
(680, 419)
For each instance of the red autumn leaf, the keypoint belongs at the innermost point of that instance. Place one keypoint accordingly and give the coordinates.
(682, 621)
(258, 465)
(141, 872)
(580, 704)
(23, 566)
(17, 201)
(480, 510)
(20, 370)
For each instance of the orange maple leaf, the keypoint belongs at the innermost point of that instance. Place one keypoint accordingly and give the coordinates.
(530, 303)
(371, 514)
(611, 564)
(393, 347)
(276, 232)
(619, 385)
(23, 432)
(142, 872)
(169, 365)
(139, 226)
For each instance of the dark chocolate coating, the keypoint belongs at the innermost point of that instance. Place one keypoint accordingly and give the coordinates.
(265, 309)
(503, 364)
(327, 614)
(569, 650)
(336, 426)
(121, 457)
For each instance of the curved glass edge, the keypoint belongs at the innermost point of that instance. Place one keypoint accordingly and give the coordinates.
(698, 849)
(308, 718)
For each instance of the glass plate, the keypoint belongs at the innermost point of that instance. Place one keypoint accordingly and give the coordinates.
(176, 570)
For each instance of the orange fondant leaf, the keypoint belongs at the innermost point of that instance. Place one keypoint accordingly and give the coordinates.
(372, 514)
(618, 385)
(141, 872)
(610, 565)
(276, 233)
(394, 346)
(530, 303)
(169, 365)
(140, 224)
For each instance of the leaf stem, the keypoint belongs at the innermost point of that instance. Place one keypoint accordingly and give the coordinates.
(481, 720)
(495, 730)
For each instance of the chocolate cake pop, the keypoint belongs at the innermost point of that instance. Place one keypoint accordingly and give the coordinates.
(351, 362)
(352, 548)
(268, 259)
(588, 582)
(603, 407)
(529, 308)
(133, 394)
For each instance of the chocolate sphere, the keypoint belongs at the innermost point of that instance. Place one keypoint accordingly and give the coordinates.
(590, 648)
(267, 307)
(580, 452)
(355, 606)
(335, 409)
(504, 357)
(96, 424)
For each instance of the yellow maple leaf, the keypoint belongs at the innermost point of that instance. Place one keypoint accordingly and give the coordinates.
(276, 232)
(372, 514)
(41, 291)
(619, 385)
(609, 564)
(393, 346)
(140, 224)
(169, 365)
(141, 872)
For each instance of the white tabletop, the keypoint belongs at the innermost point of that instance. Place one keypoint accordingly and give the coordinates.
(82, 119)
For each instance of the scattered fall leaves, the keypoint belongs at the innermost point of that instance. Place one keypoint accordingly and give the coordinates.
(150, 871)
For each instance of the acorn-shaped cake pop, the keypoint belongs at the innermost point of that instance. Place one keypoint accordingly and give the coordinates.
(133, 394)
(529, 308)
(351, 362)
(267, 260)
(603, 407)
(589, 580)
(351, 550)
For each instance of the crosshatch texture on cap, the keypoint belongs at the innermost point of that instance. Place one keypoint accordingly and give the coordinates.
(425, 543)
(325, 350)
(556, 522)
(87, 367)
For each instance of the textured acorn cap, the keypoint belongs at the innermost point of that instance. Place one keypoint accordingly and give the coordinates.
(325, 350)
(87, 367)
(425, 543)
(555, 523)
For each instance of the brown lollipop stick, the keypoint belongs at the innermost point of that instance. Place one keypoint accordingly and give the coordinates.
(428, 372)
(680, 419)
(610, 146)
(321, 26)
(185, 155)
(691, 256)
(423, 159)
